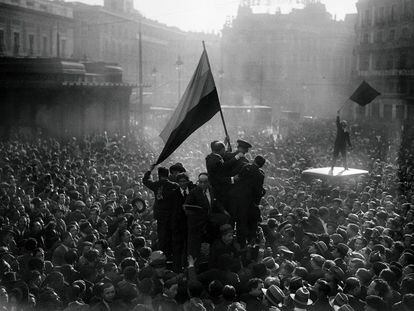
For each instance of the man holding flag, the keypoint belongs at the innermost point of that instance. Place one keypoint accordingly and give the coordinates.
(199, 103)
(363, 95)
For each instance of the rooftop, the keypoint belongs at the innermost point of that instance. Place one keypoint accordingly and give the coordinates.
(45, 6)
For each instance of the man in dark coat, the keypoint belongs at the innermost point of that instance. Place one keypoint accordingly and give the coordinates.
(236, 161)
(341, 142)
(200, 205)
(164, 193)
(219, 170)
(179, 221)
(175, 170)
(246, 194)
(242, 149)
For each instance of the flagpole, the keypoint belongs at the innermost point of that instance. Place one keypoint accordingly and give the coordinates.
(221, 112)
(343, 105)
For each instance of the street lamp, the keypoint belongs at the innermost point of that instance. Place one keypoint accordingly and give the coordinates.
(221, 75)
(178, 65)
(154, 87)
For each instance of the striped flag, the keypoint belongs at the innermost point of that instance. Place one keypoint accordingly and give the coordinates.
(198, 104)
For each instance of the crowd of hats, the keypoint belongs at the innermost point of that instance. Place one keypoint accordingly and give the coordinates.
(321, 246)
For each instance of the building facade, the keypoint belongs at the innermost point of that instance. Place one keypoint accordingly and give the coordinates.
(109, 33)
(62, 98)
(301, 61)
(385, 57)
(36, 28)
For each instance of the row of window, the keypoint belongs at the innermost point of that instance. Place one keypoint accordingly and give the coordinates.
(383, 36)
(15, 48)
(375, 112)
(392, 13)
(386, 62)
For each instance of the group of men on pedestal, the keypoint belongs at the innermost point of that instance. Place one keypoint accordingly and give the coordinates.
(189, 215)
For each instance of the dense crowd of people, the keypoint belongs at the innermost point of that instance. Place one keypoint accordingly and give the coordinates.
(86, 224)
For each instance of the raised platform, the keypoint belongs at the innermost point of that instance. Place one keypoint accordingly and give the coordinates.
(337, 172)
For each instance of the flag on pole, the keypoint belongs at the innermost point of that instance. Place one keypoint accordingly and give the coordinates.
(199, 103)
(364, 94)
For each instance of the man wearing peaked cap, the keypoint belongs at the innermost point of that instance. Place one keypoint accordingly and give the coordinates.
(242, 149)
(243, 145)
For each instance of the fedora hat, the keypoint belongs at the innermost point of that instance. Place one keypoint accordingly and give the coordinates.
(274, 295)
(270, 263)
(302, 297)
(339, 300)
(353, 218)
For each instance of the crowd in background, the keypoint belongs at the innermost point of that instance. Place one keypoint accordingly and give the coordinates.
(78, 229)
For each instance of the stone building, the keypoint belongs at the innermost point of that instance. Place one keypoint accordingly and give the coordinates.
(301, 61)
(62, 98)
(33, 28)
(109, 33)
(385, 57)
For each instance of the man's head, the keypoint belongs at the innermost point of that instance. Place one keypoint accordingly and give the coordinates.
(259, 161)
(176, 169)
(163, 173)
(218, 147)
(255, 287)
(108, 292)
(203, 181)
(243, 146)
(182, 180)
(344, 124)
(227, 233)
(67, 239)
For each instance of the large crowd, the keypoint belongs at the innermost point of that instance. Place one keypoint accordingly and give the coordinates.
(86, 224)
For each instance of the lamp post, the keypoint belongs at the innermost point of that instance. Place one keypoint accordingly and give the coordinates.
(154, 87)
(221, 75)
(178, 65)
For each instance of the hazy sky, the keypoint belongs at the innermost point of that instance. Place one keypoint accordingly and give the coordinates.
(207, 15)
